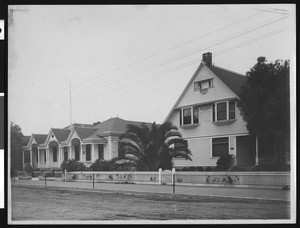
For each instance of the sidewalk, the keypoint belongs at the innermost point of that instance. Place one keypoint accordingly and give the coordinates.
(244, 193)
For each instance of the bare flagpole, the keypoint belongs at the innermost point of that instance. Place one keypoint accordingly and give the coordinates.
(70, 106)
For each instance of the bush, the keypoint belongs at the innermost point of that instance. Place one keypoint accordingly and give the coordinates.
(224, 162)
(72, 165)
(28, 169)
(100, 165)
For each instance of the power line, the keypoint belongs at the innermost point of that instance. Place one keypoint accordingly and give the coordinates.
(171, 48)
(181, 57)
(166, 50)
(215, 43)
(197, 60)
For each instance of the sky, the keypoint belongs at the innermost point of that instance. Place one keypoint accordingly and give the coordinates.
(88, 63)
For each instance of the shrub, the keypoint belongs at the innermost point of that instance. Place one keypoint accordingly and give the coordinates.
(100, 165)
(72, 165)
(28, 169)
(224, 162)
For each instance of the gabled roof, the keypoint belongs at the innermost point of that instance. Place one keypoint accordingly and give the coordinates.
(39, 138)
(84, 132)
(61, 134)
(114, 125)
(232, 80)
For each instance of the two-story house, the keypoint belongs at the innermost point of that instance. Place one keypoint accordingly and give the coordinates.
(207, 115)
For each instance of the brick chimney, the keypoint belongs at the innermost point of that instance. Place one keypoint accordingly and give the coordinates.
(207, 58)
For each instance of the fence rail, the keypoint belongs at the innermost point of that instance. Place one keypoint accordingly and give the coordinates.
(277, 179)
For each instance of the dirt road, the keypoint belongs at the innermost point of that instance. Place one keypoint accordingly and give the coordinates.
(32, 203)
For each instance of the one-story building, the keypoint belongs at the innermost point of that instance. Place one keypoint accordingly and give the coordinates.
(83, 142)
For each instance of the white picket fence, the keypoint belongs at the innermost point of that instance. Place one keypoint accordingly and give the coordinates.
(263, 179)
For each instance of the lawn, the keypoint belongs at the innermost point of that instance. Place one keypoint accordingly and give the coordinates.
(30, 203)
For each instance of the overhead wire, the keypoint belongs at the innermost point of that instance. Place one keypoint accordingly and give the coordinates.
(166, 50)
(197, 60)
(181, 57)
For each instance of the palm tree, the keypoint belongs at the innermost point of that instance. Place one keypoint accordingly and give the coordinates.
(149, 149)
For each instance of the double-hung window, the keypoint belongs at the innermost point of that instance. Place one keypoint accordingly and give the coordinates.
(223, 111)
(220, 146)
(189, 116)
(54, 154)
(88, 152)
(66, 151)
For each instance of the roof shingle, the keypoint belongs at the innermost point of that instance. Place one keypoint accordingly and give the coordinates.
(61, 134)
(231, 79)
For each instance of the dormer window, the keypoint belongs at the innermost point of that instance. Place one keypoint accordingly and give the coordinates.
(204, 84)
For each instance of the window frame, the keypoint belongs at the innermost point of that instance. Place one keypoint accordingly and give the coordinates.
(215, 111)
(66, 151)
(212, 146)
(56, 149)
(181, 116)
(102, 152)
(198, 84)
(88, 150)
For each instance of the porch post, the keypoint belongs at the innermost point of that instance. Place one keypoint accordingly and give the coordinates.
(47, 158)
(93, 152)
(70, 152)
(256, 151)
(59, 156)
(38, 159)
(31, 162)
(81, 152)
(23, 158)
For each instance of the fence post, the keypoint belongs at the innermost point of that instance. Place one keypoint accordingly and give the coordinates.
(93, 181)
(45, 179)
(159, 176)
(173, 179)
(65, 175)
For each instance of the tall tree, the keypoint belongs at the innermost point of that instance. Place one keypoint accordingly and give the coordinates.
(149, 149)
(16, 144)
(264, 105)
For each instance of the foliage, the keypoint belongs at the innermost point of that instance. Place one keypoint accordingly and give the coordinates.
(72, 165)
(264, 105)
(100, 165)
(148, 149)
(224, 162)
(28, 169)
(16, 144)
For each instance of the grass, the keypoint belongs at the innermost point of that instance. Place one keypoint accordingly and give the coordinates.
(61, 204)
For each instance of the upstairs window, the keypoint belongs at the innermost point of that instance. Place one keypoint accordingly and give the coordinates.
(204, 84)
(223, 111)
(189, 116)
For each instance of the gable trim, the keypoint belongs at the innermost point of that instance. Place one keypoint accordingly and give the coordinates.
(185, 89)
